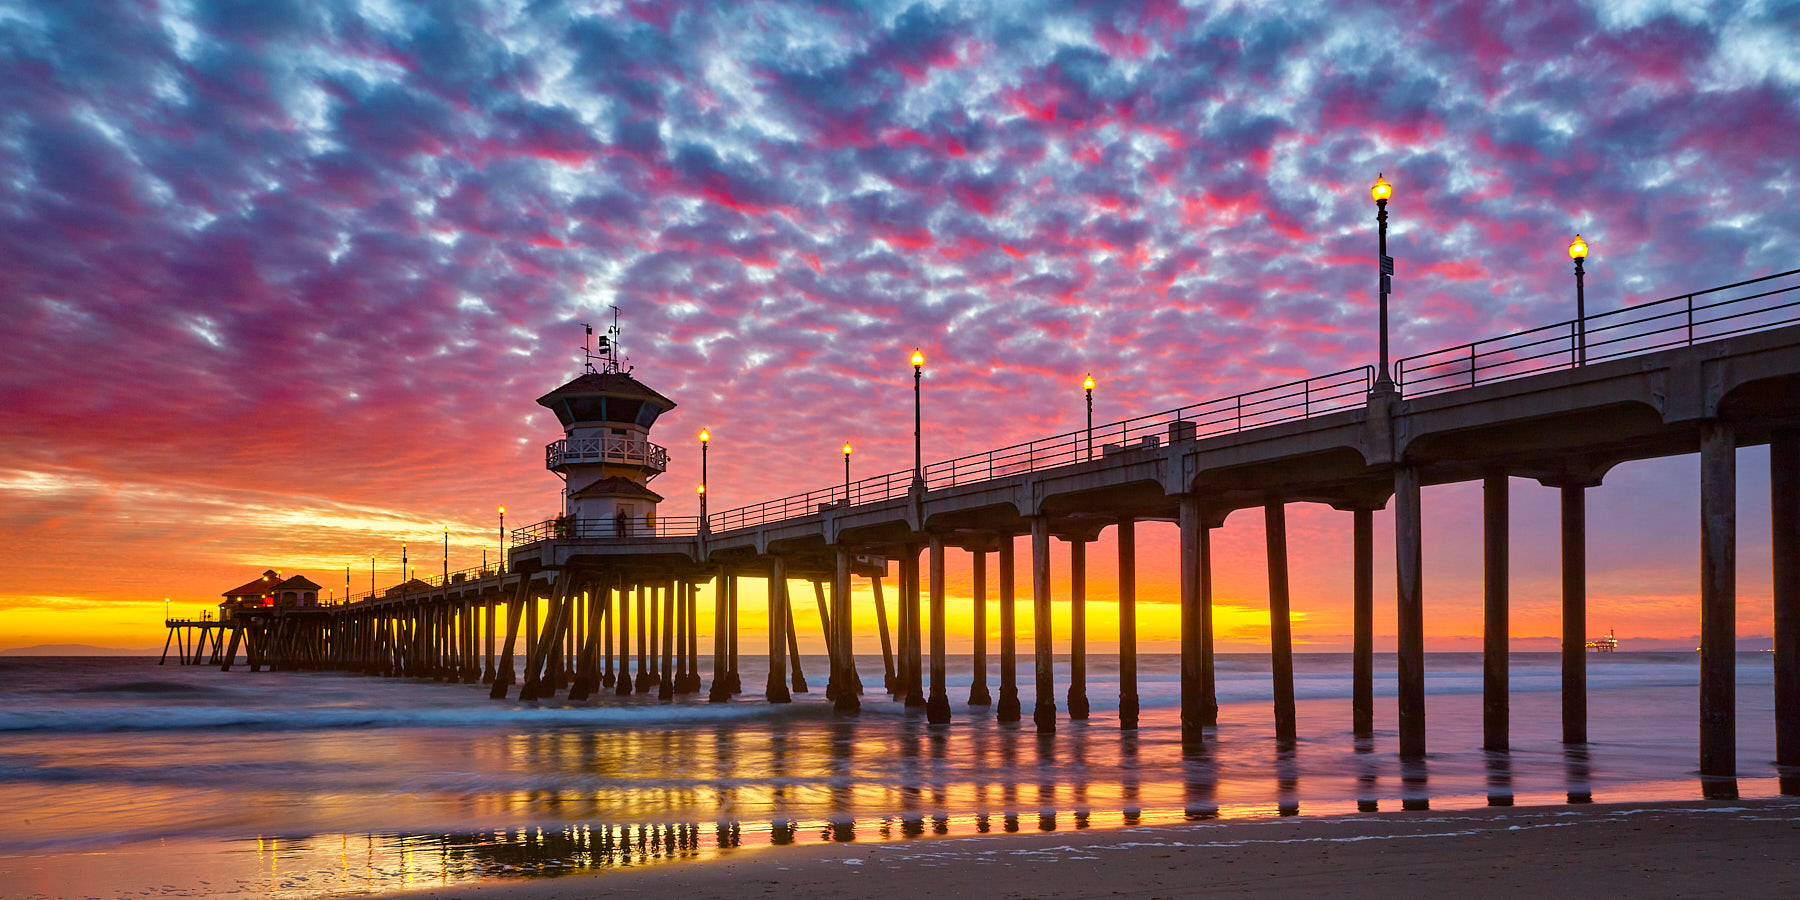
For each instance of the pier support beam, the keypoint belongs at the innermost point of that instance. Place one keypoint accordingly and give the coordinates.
(734, 680)
(887, 647)
(721, 690)
(1078, 699)
(1199, 698)
(1495, 631)
(1281, 634)
(1410, 602)
(914, 686)
(1044, 714)
(1784, 547)
(1362, 622)
(847, 702)
(937, 708)
(1718, 600)
(797, 677)
(978, 688)
(665, 685)
(624, 686)
(776, 691)
(1008, 708)
(646, 604)
(1128, 668)
(1574, 614)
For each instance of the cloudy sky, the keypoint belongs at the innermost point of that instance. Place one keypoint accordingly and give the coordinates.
(279, 282)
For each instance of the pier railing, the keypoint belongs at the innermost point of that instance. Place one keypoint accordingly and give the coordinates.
(1673, 321)
(429, 582)
(1251, 409)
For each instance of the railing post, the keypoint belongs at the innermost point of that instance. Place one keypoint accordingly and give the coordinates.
(1306, 404)
(1240, 412)
(1690, 318)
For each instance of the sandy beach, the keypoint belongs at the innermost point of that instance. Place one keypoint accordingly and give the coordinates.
(1665, 850)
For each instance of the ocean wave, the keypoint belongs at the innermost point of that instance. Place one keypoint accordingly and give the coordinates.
(167, 718)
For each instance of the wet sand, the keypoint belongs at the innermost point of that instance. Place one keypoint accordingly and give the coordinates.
(1720, 848)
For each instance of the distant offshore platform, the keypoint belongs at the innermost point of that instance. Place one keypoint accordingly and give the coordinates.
(1562, 404)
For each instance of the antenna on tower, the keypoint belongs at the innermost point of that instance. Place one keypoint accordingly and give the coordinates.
(604, 348)
(612, 359)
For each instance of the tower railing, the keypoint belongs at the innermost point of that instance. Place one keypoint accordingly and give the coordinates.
(608, 449)
(616, 528)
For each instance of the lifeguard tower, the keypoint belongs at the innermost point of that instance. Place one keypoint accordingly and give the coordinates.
(606, 459)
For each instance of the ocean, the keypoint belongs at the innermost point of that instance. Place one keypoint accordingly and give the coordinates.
(119, 776)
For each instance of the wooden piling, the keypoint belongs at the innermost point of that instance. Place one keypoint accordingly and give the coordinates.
(625, 684)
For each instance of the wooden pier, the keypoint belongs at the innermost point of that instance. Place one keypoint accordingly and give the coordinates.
(1702, 373)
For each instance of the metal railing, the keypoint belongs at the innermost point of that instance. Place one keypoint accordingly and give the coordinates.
(1684, 319)
(627, 528)
(1252, 409)
(605, 449)
(424, 583)
(868, 490)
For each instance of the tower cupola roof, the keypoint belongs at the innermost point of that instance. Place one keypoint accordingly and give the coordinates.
(609, 397)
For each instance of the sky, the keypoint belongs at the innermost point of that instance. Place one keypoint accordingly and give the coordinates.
(281, 281)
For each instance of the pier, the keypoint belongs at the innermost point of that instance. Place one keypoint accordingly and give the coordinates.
(1703, 373)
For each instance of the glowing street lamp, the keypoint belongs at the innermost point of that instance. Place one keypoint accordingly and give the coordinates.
(1381, 191)
(1578, 251)
(705, 439)
(846, 473)
(1087, 384)
(918, 364)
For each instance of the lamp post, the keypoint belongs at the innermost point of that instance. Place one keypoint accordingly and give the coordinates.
(1578, 251)
(705, 439)
(371, 576)
(484, 570)
(1087, 384)
(918, 364)
(446, 556)
(1381, 191)
(503, 540)
(346, 582)
(846, 473)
